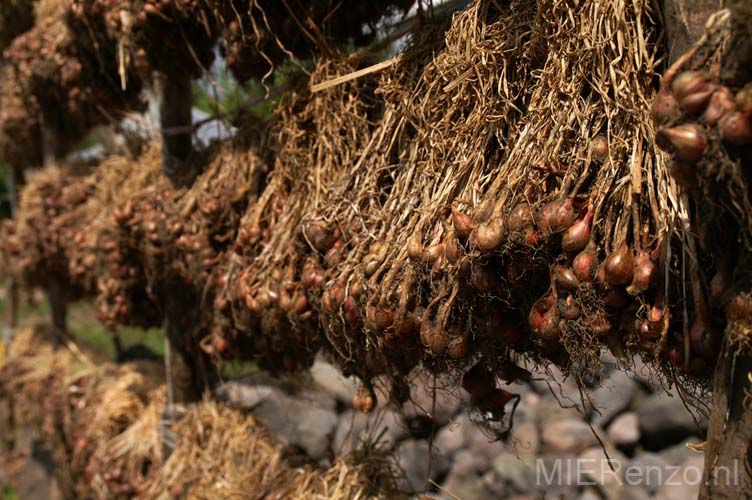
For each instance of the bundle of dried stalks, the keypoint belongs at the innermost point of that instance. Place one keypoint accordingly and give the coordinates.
(101, 422)
(59, 79)
(221, 453)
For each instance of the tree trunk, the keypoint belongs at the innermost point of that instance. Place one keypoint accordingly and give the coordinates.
(684, 21)
(728, 454)
(176, 119)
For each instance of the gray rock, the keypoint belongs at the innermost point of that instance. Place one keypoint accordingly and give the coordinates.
(421, 401)
(331, 381)
(556, 472)
(624, 430)
(612, 398)
(468, 464)
(517, 475)
(243, 395)
(525, 439)
(355, 427)
(481, 443)
(685, 483)
(527, 409)
(565, 389)
(648, 469)
(664, 420)
(568, 435)
(297, 421)
(589, 493)
(633, 493)
(450, 439)
(473, 488)
(679, 453)
(606, 472)
(413, 458)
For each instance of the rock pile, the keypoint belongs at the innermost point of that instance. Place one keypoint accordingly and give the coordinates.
(552, 448)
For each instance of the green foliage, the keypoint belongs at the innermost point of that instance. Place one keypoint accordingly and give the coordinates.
(87, 330)
(222, 94)
(8, 493)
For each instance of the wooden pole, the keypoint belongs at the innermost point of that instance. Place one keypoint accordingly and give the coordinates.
(15, 180)
(175, 114)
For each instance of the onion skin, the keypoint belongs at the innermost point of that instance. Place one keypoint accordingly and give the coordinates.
(644, 273)
(433, 252)
(599, 148)
(721, 103)
(692, 91)
(665, 109)
(616, 298)
(686, 141)
(576, 238)
(599, 324)
(735, 128)
(483, 278)
(488, 236)
(546, 216)
(684, 173)
(364, 400)
(564, 216)
(739, 308)
(544, 318)
(435, 339)
(454, 250)
(463, 224)
(414, 248)
(520, 217)
(569, 309)
(619, 265)
(585, 265)
(566, 278)
(532, 237)
(458, 347)
(320, 238)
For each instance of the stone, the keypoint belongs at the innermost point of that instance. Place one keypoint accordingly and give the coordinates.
(331, 381)
(450, 439)
(481, 443)
(549, 409)
(527, 409)
(355, 427)
(565, 388)
(589, 493)
(679, 453)
(516, 474)
(633, 493)
(421, 402)
(664, 420)
(525, 439)
(569, 435)
(295, 421)
(466, 463)
(649, 469)
(473, 488)
(596, 467)
(685, 483)
(413, 459)
(624, 430)
(612, 398)
(245, 396)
